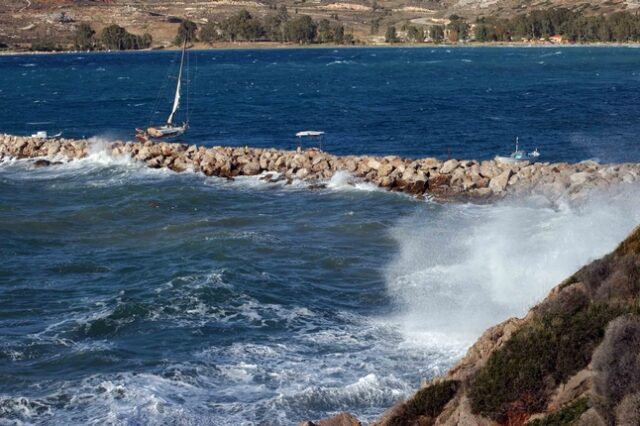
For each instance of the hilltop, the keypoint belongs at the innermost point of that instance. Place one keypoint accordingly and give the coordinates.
(23, 22)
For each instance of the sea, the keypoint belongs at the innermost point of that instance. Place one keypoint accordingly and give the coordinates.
(136, 296)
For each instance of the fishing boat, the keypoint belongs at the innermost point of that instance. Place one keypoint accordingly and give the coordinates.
(519, 155)
(169, 129)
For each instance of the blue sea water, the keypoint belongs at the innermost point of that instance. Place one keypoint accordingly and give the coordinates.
(571, 103)
(138, 296)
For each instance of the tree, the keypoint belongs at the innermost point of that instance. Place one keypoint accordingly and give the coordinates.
(414, 34)
(112, 37)
(186, 32)
(274, 28)
(325, 31)
(84, 37)
(436, 32)
(339, 37)
(391, 36)
(210, 32)
(301, 30)
(242, 26)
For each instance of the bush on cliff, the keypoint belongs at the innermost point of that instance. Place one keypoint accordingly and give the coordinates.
(565, 416)
(616, 362)
(424, 406)
(431, 400)
(520, 375)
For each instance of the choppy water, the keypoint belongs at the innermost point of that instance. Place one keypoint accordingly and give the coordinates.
(138, 296)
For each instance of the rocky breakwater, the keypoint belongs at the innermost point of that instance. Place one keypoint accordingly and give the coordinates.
(422, 177)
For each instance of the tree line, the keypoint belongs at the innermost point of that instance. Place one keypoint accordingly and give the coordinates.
(113, 37)
(278, 27)
(457, 30)
(573, 26)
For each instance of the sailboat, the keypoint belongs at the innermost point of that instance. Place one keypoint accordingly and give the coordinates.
(169, 129)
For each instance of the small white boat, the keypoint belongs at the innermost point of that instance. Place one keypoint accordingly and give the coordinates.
(169, 129)
(519, 155)
(44, 135)
(312, 135)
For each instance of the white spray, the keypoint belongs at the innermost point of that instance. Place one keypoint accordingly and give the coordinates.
(463, 268)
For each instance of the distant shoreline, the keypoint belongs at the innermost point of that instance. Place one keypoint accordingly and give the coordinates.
(288, 46)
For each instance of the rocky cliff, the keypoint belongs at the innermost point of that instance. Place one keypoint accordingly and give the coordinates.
(426, 177)
(574, 359)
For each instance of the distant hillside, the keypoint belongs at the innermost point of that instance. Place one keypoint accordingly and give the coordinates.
(24, 21)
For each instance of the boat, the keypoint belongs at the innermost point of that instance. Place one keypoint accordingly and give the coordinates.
(519, 155)
(169, 129)
(44, 135)
(312, 135)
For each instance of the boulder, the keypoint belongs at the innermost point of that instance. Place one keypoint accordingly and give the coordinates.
(385, 169)
(449, 166)
(342, 419)
(499, 183)
(579, 178)
(251, 168)
(373, 164)
(41, 163)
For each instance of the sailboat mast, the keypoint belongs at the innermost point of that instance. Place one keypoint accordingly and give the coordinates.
(176, 101)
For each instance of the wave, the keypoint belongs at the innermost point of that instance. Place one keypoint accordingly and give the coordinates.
(463, 268)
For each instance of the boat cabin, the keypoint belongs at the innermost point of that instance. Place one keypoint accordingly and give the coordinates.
(313, 136)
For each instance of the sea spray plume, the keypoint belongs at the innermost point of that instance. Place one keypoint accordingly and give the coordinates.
(461, 268)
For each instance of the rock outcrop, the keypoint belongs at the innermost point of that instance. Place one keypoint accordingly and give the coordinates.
(476, 180)
(574, 359)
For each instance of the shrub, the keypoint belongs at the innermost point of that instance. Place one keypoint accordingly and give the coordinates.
(391, 36)
(84, 37)
(431, 400)
(427, 402)
(46, 46)
(114, 37)
(519, 376)
(616, 362)
(565, 416)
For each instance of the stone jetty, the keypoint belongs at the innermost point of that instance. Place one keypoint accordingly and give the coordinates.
(431, 177)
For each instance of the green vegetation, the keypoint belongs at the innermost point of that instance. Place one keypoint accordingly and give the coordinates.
(431, 400)
(565, 416)
(391, 36)
(458, 28)
(114, 37)
(46, 46)
(279, 27)
(84, 37)
(186, 33)
(436, 32)
(301, 30)
(414, 34)
(572, 26)
(546, 352)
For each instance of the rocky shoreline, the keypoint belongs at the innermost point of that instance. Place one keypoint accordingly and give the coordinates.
(426, 177)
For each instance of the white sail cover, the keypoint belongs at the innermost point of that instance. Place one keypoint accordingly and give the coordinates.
(176, 101)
